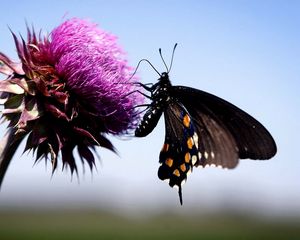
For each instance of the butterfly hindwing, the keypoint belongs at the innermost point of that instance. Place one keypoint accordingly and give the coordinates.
(179, 152)
(192, 141)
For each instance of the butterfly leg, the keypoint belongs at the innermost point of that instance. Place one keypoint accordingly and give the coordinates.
(137, 91)
(139, 84)
(146, 87)
(142, 105)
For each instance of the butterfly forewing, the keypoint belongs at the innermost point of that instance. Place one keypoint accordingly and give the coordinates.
(252, 139)
(216, 145)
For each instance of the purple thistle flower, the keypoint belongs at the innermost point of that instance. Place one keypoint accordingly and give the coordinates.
(95, 69)
(68, 91)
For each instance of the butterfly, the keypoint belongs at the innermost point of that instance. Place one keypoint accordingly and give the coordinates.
(200, 129)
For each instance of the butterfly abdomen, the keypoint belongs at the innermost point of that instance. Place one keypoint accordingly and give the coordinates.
(160, 97)
(148, 122)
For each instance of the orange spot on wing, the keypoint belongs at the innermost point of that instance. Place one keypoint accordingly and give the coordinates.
(186, 120)
(187, 157)
(169, 162)
(183, 167)
(176, 173)
(165, 147)
(190, 143)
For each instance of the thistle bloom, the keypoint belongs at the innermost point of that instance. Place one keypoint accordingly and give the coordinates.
(70, 89)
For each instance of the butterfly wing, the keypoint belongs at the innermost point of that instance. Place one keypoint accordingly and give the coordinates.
(178, 153)
(202, 129)
(190, 143)
(251, 138)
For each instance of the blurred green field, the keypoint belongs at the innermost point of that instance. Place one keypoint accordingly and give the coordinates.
(98, 225)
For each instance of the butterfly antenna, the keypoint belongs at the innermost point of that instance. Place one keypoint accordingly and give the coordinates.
(163, 59)
(143, 60)
(180, 195)
(172, 57)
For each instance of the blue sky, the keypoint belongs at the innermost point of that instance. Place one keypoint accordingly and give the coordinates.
(247, 52)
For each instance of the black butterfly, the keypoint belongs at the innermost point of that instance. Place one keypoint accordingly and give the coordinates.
(201, 129)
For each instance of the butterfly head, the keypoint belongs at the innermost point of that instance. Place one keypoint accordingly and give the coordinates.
(164, 75)
(164, 79)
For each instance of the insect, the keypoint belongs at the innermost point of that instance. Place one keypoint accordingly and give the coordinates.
(200, 129)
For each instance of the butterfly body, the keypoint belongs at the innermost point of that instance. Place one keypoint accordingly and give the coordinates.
(201, 129)
(160, 96)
